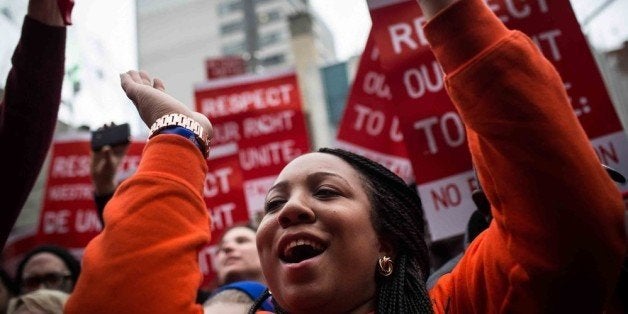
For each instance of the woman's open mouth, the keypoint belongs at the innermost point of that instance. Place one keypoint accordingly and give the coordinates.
(301, 249)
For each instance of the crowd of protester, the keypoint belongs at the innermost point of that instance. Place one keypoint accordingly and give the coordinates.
(340, 233)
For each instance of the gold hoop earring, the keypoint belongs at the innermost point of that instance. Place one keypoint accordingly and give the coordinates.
(385, 266)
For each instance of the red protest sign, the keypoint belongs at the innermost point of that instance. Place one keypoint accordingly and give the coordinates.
(262, 114)
(432, 128)
(68, 217)
(369, 124)
(224, 66)
(224, 197)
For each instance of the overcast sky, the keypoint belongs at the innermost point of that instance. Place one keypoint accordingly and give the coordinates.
(350, 22)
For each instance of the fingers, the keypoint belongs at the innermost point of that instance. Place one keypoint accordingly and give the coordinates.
(146, 79)
(126, 81)
(135, 76)
(159, 84)
(140, 77)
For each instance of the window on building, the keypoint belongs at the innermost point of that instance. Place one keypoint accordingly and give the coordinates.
(269, 39)
(231, 27)
(269, 17)
(234, 48)
(273, 60)
(229, 6)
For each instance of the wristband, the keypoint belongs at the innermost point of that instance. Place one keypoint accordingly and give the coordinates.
(176, 119)
(179, 130)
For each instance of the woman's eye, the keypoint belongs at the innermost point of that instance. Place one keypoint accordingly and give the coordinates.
(326, 192)
(272, 205)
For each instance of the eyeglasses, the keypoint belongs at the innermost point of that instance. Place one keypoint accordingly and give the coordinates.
(49, 280)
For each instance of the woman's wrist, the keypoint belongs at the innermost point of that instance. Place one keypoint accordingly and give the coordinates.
(184, 132)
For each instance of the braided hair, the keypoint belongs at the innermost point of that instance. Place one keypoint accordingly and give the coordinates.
(397, 215)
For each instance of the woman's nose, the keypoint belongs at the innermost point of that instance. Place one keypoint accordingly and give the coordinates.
(295, 211)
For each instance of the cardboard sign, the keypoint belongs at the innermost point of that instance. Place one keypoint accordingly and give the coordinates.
(369, 126)
(263, 115)
(433, 130)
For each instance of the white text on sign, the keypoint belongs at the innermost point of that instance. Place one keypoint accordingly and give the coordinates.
(275, 153)
(449, 125)
(373, 122)
(60, 221)
(222, 216)
(257, 99)
(517, 9)
(217, 182)
(70, 166)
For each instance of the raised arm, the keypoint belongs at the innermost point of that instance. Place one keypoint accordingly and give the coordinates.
(431, 8)
(28, 111)
(103, 168)
(556, 240)
(145, 260)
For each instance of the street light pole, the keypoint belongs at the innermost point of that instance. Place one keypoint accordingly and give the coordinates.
(250, 32)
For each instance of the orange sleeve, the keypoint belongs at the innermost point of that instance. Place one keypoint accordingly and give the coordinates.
(556, 241)
(145, 260)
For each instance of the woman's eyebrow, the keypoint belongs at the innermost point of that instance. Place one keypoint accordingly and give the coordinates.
(324, 174)
(281, 185)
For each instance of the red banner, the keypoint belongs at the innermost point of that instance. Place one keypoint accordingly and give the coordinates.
(433, 129)
(225, 201)
(224, 66)
(68, 216)
(369, 126)
(263, 115)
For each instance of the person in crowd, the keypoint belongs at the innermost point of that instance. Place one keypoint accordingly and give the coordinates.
(478, 222)
(48, 267)
(237, 297)
(39, 301)
(238, 271)
(104, 165)
(342, 234)
(28, 110)
(237, 258)
(8, 289)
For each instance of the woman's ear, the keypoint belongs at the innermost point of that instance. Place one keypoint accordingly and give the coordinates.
(386, 248)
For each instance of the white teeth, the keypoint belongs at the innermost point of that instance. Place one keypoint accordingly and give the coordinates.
(299, 242)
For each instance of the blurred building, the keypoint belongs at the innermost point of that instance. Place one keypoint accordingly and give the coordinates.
(91, 92)
(614, 67)
(175, 37)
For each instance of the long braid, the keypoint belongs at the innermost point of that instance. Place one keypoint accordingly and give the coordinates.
(257, 304)
(397, 215)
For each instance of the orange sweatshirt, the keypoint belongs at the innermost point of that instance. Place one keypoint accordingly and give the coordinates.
(555, 244)
(146, 258)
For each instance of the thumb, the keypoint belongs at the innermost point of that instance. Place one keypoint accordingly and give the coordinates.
(128, 86)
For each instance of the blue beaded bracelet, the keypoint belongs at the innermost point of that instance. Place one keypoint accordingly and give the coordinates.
(179, 130)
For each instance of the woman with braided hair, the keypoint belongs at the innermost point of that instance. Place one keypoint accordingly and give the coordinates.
(334, 224)
(342, 234)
